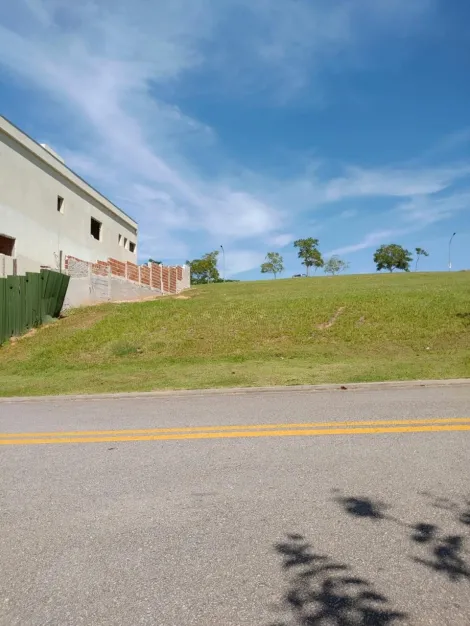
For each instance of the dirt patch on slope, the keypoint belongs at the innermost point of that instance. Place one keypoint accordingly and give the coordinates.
(332, 320)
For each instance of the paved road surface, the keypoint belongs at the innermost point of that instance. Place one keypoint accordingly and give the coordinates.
(227, 510)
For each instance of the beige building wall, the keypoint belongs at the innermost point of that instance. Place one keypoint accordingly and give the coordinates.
(32, 182)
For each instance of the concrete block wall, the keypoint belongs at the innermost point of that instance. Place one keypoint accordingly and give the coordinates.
(114, 280)
(100, 288)
(76, 267)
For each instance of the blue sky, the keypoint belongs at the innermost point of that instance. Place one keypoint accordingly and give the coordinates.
(250, 124)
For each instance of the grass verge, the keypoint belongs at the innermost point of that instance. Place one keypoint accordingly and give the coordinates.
(284, 332)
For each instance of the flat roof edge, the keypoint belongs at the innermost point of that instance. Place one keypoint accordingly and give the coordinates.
(7, 127)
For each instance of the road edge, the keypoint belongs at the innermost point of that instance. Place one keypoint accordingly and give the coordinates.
(174, 393)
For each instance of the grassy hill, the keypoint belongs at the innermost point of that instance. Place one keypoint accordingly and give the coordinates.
(318, 330)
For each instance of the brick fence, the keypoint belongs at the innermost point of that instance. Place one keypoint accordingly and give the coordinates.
(113, 280)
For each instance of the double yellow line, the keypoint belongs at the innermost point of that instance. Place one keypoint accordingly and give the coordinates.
(314, 429)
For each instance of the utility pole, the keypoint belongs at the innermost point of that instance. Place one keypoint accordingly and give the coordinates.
(223, 257)
(450, 251)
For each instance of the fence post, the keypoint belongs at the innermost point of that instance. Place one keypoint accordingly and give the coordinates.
(109, 281)
(90, 281)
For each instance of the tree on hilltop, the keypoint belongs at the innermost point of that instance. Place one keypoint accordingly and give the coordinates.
(204, 270)
(420, 252)
(335, 265)
(392, 257)
(309, 253)
(274, 264)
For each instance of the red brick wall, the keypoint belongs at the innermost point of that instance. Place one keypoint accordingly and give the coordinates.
(132, 272)
(145, 274)
(166, 279)
(117, 268)
(100, 268)
(173, 273)
(156, 276)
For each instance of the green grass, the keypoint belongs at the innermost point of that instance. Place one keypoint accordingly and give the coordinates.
(392, 327)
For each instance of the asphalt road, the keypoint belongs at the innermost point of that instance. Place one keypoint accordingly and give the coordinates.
(227, 510)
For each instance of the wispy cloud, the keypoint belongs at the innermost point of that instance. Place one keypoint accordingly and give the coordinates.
(449, 143)
(411, 216)
(394, 182)
(239, 261)
(422, 211)
(372, 239)
(102, 60)
(281, 240)
(286, 44)
(348, 214)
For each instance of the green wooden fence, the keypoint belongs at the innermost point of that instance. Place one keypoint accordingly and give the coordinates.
(27, 301)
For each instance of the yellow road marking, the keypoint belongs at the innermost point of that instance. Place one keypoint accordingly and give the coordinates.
(236, 427)
(295, 432)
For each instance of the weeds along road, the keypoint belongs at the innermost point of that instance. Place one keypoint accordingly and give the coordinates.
(267, 509)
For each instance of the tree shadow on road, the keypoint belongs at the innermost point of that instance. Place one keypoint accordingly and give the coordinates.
(444, 553)
(324, 592)
(460, 511)
(362, 507)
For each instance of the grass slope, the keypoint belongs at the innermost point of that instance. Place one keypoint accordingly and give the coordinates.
(384, 327)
